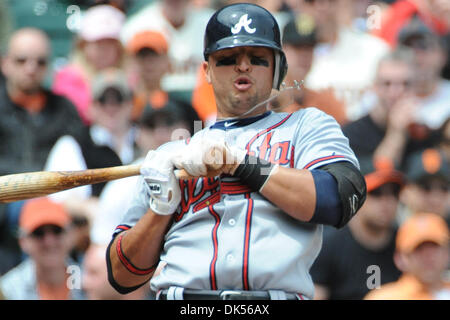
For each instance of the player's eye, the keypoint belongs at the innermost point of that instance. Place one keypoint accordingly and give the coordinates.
(226, 61)
(257, 61)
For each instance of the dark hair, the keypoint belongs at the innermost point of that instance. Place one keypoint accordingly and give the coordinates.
(168, 115)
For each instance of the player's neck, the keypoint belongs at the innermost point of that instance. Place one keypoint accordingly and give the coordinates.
(222, 116)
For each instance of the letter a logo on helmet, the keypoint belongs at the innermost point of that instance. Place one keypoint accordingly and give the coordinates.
(244, 22)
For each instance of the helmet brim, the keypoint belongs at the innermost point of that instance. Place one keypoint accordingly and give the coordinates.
(240, 41)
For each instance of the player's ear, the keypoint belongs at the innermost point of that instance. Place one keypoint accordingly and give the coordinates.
(206, 70)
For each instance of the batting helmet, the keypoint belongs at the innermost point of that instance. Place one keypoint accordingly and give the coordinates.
(244, 24)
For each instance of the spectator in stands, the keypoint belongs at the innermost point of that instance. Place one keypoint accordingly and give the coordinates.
(422, 253)
(427, 189)
(299, 41)
(97, 48)
(342, 269)
(109, 141)
(95, 278)
(26, 139)
(59, 19)
(31, 117)
(45, 238)
(180, 22)
(389, 130)
(434, 13)
(346, 58)
(149, 52)
(430, 56)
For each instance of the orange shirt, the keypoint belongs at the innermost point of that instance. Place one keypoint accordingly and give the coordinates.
(157, 99)
(399, 14)
(407, 287)
(33, 103)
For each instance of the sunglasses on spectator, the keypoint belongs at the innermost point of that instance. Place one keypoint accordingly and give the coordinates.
(422, 43)
(40, 232)
(111, 96)
(146, 52)
(433, 185)
(387, 83)
(390, 189)
(41, 61)
(312, 1)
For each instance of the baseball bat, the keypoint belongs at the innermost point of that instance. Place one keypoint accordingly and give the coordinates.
(22, 186)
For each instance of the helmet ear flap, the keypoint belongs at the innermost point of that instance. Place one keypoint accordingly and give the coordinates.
(280, 69)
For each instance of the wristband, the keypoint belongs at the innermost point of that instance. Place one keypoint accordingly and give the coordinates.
(254, 171)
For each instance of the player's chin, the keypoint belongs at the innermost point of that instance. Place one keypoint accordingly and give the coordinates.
(242, 103)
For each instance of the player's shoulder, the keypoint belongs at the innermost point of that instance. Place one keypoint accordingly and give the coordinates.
(307, 116)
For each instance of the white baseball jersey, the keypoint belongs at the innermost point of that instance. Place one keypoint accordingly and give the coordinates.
(224, 236)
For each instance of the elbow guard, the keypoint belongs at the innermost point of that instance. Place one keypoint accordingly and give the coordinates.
(351, 188)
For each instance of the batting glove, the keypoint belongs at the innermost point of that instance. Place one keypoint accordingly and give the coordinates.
(203, 156)
(162, 185)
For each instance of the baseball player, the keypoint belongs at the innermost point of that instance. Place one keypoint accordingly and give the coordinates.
(249, 224)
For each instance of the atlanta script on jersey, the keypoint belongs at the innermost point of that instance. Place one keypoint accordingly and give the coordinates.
(223, 235)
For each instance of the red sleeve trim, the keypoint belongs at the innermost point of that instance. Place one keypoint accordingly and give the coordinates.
(127, 263)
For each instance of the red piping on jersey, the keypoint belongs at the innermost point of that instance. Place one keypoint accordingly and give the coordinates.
(320, 160)
(248, 223)
(247, 147)
(188, 196)
(212, 266)
(234, 187)
(212, 199)
(292, 161)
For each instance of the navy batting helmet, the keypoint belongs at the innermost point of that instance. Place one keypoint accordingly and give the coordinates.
(245, 24)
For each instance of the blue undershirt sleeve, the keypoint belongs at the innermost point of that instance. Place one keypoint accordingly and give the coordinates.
(328, 208)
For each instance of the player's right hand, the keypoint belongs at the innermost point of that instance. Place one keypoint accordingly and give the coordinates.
(206, 157)
(161, 183)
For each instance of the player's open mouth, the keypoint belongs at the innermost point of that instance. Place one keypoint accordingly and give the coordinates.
(242, 83)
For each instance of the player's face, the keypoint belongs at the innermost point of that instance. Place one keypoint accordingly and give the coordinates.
(241, 77)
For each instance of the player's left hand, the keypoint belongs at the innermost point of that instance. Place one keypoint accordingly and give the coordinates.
(163, 187)
(206, 157)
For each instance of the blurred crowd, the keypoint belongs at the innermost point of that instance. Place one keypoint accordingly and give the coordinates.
(88, 84)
